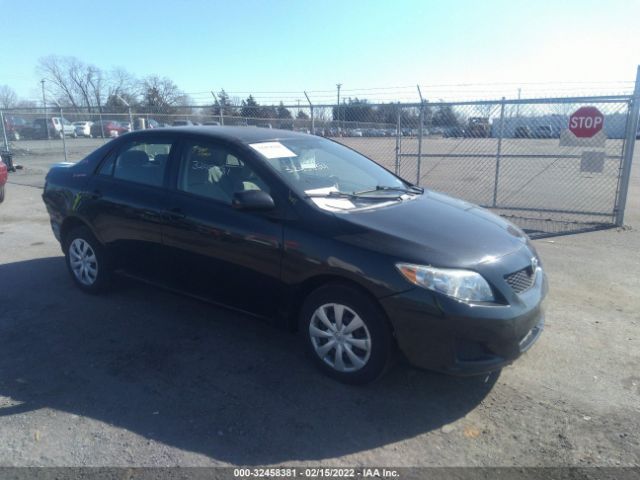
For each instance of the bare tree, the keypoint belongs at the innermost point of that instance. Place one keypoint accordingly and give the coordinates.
(72, 81)
(122, 83)
(160, 92)
(8, 97)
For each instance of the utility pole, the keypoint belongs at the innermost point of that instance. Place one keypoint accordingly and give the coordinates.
(44, 104)
(129, 109)
(518, 104)
(338, 85)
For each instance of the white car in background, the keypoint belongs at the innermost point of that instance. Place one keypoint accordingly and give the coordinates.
(83, 128)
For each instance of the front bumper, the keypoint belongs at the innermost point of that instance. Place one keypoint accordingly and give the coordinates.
(439, 333)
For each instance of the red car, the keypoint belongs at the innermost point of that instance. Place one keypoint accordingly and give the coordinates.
(110, 128)
(3, 179)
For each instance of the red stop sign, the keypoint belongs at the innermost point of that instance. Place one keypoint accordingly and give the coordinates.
(586, 122)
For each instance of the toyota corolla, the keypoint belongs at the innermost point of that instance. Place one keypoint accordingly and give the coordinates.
(310, 234)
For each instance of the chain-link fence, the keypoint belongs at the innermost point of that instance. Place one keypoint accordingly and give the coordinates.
(520, 158)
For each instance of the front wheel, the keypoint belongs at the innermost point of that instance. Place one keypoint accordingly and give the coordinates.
(87, 260)
(346, 334)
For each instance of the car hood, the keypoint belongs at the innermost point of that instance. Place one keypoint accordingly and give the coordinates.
(434, 229)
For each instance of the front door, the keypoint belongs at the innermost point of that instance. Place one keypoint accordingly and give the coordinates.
(229, 256)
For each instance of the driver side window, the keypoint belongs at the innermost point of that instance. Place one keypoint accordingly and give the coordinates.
(212, 171)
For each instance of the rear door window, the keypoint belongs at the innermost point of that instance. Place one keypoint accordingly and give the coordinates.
(143, 162)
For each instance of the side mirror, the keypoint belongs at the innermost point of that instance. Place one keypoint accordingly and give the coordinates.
(255, 200)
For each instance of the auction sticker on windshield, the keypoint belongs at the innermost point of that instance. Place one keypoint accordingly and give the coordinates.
(272, 150)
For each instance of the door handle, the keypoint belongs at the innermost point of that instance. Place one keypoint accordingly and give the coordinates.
(175, 214)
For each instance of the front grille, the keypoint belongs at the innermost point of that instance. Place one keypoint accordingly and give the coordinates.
(522, 280)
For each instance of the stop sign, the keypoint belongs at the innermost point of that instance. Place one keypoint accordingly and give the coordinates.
(586, 122)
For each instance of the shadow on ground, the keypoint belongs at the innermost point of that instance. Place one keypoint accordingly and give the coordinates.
(197, 377)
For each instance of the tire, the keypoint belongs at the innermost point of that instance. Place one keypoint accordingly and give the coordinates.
(2, 193)
(87, 260)
(366, 348)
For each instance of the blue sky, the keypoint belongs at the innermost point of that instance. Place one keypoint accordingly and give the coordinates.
(281, 46)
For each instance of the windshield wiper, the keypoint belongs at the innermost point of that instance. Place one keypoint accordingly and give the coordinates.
(333, 193)
(353, 196)
(384, 188)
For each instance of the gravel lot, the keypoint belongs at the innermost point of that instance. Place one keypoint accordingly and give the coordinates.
(142, 377)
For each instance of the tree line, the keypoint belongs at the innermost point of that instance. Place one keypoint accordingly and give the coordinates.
(80, 86)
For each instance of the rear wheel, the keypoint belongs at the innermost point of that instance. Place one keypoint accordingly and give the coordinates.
(87, 260)
(346, 334)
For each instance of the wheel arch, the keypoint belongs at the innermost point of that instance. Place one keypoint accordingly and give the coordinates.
(71, 223)
(302, 291)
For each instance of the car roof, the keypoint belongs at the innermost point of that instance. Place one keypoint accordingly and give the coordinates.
(234, 134)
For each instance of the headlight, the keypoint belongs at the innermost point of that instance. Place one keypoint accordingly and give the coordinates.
(461, 284)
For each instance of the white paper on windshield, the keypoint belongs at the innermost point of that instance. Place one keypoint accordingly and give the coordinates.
(272, 150)
(308, 163)
(331, 204)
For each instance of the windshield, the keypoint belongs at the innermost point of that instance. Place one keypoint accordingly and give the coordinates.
(318, 167)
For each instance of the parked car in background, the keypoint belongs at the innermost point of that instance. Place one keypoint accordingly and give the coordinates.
(111, 129)
(14, 127)
(83, 128)
(212, 123)
(4, 174)
(543, 131)
(126, 126)
(523, 132)
(182, 123)
(308, 233)
(50, 128)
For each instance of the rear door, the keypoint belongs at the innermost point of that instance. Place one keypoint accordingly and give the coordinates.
(128, 197)
(226, 255)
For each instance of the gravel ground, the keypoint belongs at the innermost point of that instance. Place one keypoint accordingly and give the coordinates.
(142, 377)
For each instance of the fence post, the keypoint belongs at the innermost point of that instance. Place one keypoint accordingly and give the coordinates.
(629, 143)
(313, 124)
(64, 137)
(101, 122)
(215, 97)
(498, 153)
(398, 141)
(420, 127)
(4, 131)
